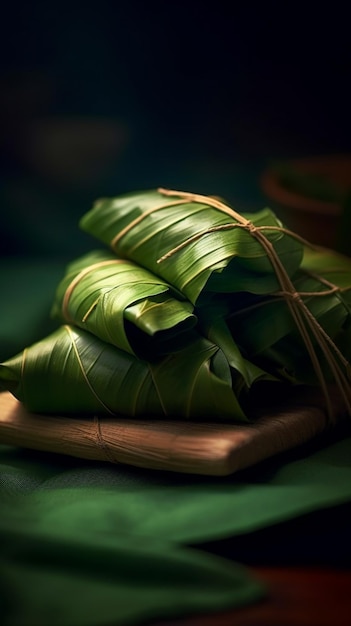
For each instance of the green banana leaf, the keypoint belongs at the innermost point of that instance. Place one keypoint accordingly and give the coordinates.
(74, 372)
(195, 243)
(123, 304)
(212, 324)
(329, 265)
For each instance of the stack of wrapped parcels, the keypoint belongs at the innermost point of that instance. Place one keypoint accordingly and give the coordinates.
(192, 312)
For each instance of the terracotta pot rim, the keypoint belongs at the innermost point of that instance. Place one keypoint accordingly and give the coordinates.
(276, 192)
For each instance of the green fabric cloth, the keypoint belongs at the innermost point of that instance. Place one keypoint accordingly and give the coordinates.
(92, 543)
(56, 573)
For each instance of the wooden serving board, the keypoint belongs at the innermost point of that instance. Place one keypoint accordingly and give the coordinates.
(216, 449)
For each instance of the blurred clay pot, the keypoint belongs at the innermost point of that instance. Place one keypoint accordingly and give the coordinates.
(314, 219)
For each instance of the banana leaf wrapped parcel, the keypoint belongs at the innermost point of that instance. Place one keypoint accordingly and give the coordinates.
(194, 304)
(123, 304)
(195, 243)
(72, 371)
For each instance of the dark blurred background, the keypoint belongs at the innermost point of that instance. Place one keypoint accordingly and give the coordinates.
(108, 97)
